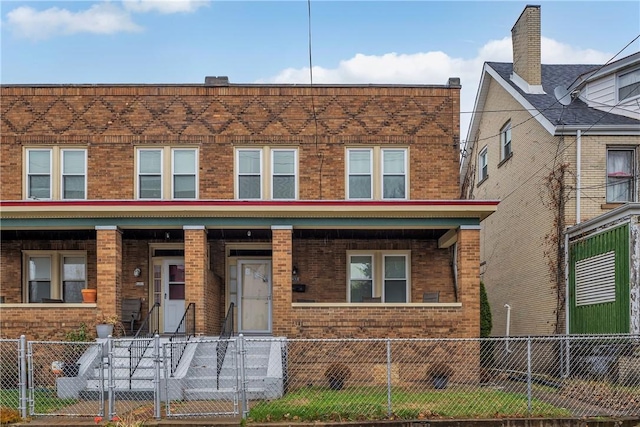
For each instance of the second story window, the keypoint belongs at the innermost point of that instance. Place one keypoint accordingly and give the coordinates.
(620, 175)
(249, 168)
(505, 141)
(394, 174)
(184, 182)
(56, 173)
(74, 169)
(483, 171)
(39, 174)
(629, 85)
(377, 173)
(283, 174)
(266, 173)
(167, 173)
(149, 174)
(360, 182)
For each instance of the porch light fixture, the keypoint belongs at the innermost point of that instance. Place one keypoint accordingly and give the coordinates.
(294, 271)
(137, 272)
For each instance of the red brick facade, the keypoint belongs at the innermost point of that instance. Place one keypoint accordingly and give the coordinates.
(118, 234)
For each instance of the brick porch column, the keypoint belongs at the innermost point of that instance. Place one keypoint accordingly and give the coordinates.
(468, 260)
(196, 264)
(109, 270)
(281, 281)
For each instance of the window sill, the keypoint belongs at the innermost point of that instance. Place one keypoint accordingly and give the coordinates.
(28, 305)
(506, 159)
(482, 181)
(377, 304)
(612, 205)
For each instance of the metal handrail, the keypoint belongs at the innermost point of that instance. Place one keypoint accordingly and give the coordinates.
(223, 341)
(185, 330)
(139, 345)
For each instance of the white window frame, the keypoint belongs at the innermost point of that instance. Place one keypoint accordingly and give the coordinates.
(295, 172)
(29, 174)
(504, 154)
(378, 274)
(483, 164)
(139, 174)
(634, 173)
(383, 174)
(238, 174)
(167, 172)
(195, 174)
(56, 270)
(63, 174)
(618, 87)
(56, 171)
(406, 274)
(370, 174)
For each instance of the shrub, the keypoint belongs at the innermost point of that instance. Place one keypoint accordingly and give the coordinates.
(8, 415)
(486, 322)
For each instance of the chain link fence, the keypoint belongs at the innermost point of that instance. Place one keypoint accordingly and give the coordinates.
(278, 379)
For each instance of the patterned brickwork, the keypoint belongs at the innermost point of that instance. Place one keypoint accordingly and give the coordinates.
(110, 121)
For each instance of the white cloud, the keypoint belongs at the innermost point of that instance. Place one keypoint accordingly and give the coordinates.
(164, 6)
(434, 68)
(101, 18)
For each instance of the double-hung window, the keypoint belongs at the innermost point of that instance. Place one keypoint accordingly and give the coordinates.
(184, 176)
(56, 275)
(74, 169)
(167, 173)
(377, 173)
(383, 274)
(621, 171)
(283, 174)
(394, 174)
(39, 167)
(483, 171)
(56, 173)
(249, 177)
(629, 85)
(266, 172)
(505, 141)
(360, 170)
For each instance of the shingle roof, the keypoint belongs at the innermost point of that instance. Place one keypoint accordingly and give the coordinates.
(577, 113)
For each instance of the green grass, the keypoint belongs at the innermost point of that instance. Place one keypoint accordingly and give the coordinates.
(46, 401)
(362, 403)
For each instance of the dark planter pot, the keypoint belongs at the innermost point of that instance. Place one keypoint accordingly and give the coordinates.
(440, 382)
(336, 383)
(70, 370)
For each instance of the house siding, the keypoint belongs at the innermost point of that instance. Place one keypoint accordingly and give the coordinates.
(514, 268)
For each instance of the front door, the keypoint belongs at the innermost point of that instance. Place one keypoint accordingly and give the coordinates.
(254, 311)
(174, 290)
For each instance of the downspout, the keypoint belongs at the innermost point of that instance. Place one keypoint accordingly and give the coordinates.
(506, 346)
(578, 172)
(566, 282)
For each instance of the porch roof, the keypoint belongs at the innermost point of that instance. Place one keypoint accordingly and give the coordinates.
(230, 213)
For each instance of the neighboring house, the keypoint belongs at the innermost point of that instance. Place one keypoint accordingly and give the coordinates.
(318, 211)
(557, 145)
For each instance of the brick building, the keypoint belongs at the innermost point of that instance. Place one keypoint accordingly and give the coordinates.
(324, 211)
(557, 144)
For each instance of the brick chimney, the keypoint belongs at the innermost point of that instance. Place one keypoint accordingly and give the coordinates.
(525, 36)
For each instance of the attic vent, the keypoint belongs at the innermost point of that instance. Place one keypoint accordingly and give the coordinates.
(596, 279)
(216, 81)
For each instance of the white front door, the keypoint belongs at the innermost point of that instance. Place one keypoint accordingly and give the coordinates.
(174, 289)
(254, 311)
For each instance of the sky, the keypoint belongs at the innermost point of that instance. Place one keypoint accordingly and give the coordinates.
(182, 41)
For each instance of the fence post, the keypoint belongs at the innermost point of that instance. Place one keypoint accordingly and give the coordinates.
(243, 384)
(166, 380)
(23, 376)
(110, 381)
(156, 376)
(389, 409)
(528, 375)
(104, 350)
